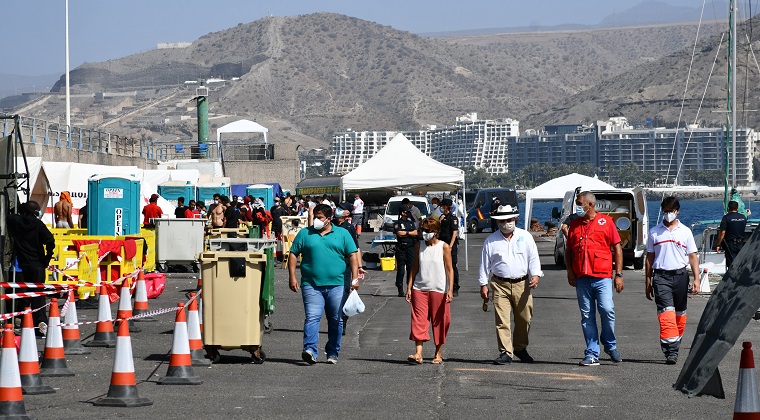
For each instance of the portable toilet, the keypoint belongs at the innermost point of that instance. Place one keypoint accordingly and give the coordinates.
(172, 190)
(264, 191)
(113, 205)
(206, 192)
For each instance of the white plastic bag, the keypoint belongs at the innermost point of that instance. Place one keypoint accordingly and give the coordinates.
(353, 305)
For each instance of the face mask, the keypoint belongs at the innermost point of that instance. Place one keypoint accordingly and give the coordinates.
(428, 235)
(669, 217)
(507, 227)
(38, 214)
(318, 224)
(579, 211)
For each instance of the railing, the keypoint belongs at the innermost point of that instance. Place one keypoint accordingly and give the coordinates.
(38, 131)
(185, 150)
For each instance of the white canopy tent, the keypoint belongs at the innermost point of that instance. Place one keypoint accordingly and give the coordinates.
(402, 166)
(555, 190)
(241, 126)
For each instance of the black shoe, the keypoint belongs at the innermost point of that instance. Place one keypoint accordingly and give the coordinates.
(401, 292)
(503, 359)
(523, 356)
(308, 357)
(672, 359)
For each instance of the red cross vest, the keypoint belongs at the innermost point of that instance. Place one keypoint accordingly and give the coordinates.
(591, 245)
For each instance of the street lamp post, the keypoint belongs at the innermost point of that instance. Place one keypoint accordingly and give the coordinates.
(68, 92)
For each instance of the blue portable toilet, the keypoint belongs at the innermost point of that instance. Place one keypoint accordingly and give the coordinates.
(264, 191)
(206, 192)
(113, 205)
(172, 190)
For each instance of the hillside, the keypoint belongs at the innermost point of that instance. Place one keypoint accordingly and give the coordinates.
(307, 76)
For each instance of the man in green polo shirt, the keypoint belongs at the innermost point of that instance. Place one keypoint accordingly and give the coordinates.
(324, 251)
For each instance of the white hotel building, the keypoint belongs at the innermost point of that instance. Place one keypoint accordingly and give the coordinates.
(470, 142)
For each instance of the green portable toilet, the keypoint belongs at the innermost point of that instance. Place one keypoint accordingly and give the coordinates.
(113, 205)
(264, 191)
(172, 190)
(206, 192)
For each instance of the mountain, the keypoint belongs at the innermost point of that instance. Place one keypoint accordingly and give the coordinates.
(659, 13)
(305, 77)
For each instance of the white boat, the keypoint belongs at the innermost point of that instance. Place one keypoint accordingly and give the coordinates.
(706, 244)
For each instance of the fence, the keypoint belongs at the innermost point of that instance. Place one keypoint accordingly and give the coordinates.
(247, 151)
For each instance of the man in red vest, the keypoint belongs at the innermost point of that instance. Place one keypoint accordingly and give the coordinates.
(592, 241)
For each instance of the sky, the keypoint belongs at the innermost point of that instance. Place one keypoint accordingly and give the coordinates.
(100, 30)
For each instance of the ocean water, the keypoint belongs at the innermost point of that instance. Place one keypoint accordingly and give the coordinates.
(691, 211)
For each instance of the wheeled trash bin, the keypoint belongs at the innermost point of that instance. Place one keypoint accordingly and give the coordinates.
(233, 316)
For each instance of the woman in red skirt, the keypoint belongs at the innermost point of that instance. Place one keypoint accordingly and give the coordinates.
(430, 291)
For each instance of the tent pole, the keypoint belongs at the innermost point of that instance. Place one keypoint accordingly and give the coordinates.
(466, 236)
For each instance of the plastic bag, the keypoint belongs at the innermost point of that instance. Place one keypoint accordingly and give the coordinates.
(353, 305)
(155, 283)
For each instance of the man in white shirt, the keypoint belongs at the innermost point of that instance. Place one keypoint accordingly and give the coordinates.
(357, 214)
(670, 249)
(509, 261)
(414, 211)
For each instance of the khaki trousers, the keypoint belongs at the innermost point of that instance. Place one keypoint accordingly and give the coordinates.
(512, 297)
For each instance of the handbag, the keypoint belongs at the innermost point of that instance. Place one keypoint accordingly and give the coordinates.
(353, 305)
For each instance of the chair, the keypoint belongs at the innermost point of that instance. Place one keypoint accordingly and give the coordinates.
(287, 240)
(178, 148)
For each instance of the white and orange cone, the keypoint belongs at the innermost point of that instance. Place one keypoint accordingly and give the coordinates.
(180, 371)
(104, 335)
(123, 389)
(747, 405)
(72, 343)
(197, 354)
(11, 394)
(200, 312)
(141, 299)
(54, 361)
(125, 307)
(29, 361)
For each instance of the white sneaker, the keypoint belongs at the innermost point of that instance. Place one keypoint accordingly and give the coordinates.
(332, 360)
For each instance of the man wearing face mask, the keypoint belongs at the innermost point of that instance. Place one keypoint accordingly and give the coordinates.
(589, 269)
(449, 233)
(406, 238)
(670, 248)
(510, 262)
(325, 250)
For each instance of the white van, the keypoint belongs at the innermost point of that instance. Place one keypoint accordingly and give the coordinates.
(391, 209)
(629, 210)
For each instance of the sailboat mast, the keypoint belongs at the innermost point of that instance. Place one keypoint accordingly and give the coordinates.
(733, 91)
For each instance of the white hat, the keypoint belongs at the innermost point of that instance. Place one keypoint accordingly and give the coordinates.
(506, 212)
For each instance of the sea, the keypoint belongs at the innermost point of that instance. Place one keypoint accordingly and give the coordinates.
(691, 212)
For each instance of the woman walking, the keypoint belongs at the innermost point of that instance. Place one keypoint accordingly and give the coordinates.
(430, 291)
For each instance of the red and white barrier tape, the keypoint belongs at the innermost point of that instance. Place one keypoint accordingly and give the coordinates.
(11, 296)
(3, 317)
(144, 315)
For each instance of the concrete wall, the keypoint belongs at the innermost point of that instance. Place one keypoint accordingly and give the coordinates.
(51, 153)
(284, 169)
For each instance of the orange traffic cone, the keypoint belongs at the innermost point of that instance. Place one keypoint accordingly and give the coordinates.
(71, 336)
(197, 354)
(104, 335)
(123, 389)
(141, 299)
(54, 361)
(29, 361)
(180, 370)
(11, 398)
(125, 307)
(747, 405)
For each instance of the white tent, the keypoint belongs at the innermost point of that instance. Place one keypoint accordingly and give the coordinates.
(402, 166)
(555, 190)
(241, 126)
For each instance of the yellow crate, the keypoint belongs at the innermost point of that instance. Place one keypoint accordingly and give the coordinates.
(242, 232)
(388, 263)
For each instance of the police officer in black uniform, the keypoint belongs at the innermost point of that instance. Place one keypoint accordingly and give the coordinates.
(449, 233)
(406, 237)
(731, 236)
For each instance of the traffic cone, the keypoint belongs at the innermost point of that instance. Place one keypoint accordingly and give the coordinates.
(11, 394)
(123, 389)
(54, 360)
(197, 354)
(71, 338)
(747, 405)
(141, 299)
(125, 307)
(180, 371)
(29, 361)
(104, 335)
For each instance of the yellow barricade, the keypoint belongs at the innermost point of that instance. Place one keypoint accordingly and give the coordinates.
(88, 270)
(66, 253)
(150, 242)
(242, 232)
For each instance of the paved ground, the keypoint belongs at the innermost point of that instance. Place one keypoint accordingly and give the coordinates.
(373, 380)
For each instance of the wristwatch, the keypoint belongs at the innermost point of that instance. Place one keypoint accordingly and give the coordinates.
(619, 275)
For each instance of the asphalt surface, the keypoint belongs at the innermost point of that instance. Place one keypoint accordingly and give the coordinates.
(374, 380)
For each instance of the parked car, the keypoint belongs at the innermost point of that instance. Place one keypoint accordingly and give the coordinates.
(628, 208)
(391, 209)
(479, 214)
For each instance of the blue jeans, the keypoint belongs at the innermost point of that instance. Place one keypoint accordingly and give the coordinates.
(317, 299)
(596, 293)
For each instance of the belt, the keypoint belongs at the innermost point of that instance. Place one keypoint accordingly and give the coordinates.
(734, 240)
(515, 280)
(670, 272)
